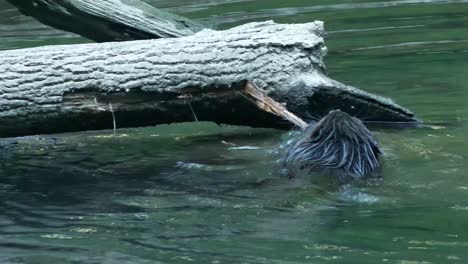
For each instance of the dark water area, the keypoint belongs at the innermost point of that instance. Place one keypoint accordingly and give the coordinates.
(190, 193)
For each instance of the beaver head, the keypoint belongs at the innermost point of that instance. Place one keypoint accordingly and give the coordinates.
(339, 143)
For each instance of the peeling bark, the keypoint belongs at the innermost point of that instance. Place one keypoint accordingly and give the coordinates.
(108, 20)
(68, 88)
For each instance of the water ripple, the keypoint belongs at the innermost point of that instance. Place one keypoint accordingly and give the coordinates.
(290, 11)
(353, 30)
(407, 44)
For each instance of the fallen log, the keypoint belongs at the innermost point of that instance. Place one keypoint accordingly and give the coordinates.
(70, 88)
(108, 20)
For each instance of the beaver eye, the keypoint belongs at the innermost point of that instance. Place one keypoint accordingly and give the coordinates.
(376, 150)
(315, 133)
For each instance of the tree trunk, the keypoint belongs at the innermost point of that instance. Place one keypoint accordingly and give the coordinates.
(108, 20)
(70, 88)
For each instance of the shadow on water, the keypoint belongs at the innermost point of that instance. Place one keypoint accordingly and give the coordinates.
(77, 170)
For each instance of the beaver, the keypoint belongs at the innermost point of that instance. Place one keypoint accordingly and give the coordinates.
(339, 145)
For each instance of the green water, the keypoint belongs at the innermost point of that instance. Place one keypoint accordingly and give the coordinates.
(188, 194)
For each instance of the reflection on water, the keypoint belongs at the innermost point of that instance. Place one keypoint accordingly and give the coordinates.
(204, 194)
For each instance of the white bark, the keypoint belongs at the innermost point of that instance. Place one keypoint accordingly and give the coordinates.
(43, 85)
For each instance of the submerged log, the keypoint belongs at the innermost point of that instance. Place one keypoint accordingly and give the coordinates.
(108, 20)
(70, 88)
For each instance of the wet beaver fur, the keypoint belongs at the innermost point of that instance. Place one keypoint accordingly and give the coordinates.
(338, 144)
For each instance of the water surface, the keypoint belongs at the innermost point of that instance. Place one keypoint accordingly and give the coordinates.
(190, 193)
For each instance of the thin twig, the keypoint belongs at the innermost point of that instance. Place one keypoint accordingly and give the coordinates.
(191, 109)
(114, 123)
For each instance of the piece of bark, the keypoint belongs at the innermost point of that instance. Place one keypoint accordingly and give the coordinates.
(108, 20)
(68, 88)
(269, 105)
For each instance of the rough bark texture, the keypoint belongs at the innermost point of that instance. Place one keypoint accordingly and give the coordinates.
(108, 20)
(67, 88)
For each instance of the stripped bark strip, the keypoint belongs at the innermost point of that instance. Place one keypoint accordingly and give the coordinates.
(268, 104)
